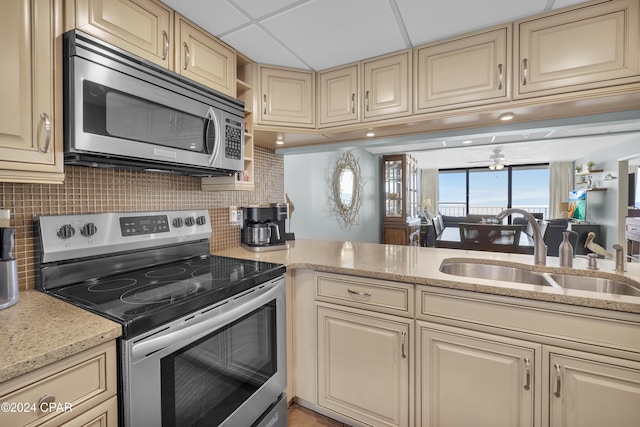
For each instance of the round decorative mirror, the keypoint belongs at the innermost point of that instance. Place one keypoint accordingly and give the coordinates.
(347, 188)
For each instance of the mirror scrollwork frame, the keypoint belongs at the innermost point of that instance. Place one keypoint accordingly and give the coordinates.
(347, 187)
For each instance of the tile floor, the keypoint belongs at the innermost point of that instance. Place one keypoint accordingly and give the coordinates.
(303, 417)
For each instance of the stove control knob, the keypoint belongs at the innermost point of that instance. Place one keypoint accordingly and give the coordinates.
(178, 222)
(88, 230)
(189, 221)
(66, 231)
(201, 220)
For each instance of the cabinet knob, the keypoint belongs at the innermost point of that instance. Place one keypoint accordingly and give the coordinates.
(45, 401)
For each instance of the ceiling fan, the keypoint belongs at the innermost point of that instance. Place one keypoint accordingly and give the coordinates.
(497, 160)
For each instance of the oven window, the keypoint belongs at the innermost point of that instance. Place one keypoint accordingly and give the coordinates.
(204, 383)
(110, 112)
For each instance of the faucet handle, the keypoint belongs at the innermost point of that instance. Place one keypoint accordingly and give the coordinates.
(593, 261)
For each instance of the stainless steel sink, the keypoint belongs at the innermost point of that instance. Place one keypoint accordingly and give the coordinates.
(494, 272)
(595, 284)
(557, 280)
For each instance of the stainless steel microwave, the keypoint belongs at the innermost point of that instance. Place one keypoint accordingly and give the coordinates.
(125, 112)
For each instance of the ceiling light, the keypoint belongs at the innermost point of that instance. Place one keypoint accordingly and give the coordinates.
(467, 142)
(370, 134)
(506, 116)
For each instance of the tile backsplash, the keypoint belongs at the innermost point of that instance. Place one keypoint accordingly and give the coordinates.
(88, 190)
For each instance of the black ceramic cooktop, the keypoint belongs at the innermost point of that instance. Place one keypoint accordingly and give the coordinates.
(143, 299)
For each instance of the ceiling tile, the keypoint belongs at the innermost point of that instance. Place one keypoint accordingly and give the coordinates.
(254, 43)
(216, 17)
(430, 20)
(327, 33)
(259, 8)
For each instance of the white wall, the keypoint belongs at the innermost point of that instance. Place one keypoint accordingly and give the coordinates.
(607, 208)
(307, 181)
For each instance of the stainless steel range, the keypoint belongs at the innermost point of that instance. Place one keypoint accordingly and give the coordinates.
(203, 336)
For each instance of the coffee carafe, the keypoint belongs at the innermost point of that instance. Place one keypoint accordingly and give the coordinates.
(263, 227)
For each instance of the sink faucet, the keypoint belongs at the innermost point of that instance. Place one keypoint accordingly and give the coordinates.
(539, 248)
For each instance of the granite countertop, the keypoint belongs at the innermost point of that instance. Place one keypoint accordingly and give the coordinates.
(421, 266)
(39, 330)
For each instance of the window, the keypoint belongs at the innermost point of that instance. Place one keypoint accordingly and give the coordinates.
(452, 193)
(485, 192)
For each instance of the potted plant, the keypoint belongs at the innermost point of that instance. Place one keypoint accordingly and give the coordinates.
(590, 165)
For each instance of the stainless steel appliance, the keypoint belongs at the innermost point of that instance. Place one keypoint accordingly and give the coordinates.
(123, 111)
(203, 336)
(263, 227)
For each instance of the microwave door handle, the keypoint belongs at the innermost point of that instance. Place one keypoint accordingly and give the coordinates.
(193, 332)
(211, 116)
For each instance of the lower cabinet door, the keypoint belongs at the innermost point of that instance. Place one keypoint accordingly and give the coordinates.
(364, 366)
(593, 393)
(478, 380)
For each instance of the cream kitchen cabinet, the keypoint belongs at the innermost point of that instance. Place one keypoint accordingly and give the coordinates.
(30, 137)
(364, 354)
(584, 369)
(153, 31)
(203, 58)
(78, 390)
(353, 348)
(468, 71)
(387, 86)
(142, 27)
(364, 365)
(467, 378)
(339, 96)
(286, 97)
(592, 390)
(576, 49)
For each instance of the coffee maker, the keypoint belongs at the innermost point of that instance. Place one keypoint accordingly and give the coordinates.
(263, 227)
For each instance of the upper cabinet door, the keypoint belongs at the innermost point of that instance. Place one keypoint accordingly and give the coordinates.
(286, 97)
(29, 151)
(578, 49)
(142, 27)
(204, 59)
(339, 96)
(387, 83)
(468, 71)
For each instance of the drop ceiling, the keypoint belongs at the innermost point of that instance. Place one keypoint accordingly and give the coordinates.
(320, 34)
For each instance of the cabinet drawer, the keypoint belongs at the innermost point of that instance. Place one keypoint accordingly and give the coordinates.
(62, 390)
(370, 294)
(530, 318)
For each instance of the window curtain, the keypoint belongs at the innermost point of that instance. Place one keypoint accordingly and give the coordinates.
(561, 183)
(429, 191)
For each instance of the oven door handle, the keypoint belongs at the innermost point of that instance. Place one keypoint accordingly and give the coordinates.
(194, 331)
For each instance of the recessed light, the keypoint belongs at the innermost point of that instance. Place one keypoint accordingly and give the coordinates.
(506, 116)
(467, 142)
(370, 134)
